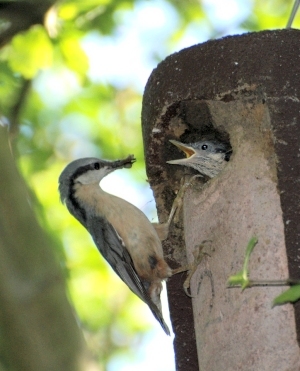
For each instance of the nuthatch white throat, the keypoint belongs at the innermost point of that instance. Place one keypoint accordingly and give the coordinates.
(209, 157)
(121, 232)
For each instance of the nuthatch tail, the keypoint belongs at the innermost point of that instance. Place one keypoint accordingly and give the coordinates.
(209, 157)
(121, 232)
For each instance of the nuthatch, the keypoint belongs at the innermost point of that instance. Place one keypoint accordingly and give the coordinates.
(121, 232)
(209, 157)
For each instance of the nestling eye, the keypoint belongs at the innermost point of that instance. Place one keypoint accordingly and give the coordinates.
(96, 166)
(204, 147)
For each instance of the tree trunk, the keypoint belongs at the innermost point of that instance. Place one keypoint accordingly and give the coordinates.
(38, 327)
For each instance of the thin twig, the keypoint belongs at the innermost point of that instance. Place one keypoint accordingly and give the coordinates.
(17, 107)
(293, 13)
(286, 282)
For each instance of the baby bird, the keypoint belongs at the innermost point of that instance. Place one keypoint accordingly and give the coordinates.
(122, 233)
(209, 157)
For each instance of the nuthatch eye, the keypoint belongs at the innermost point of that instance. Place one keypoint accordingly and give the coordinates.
(209, 157)
(121, 232)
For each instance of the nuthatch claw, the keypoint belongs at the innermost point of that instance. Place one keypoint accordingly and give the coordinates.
(162, 229)
(191, 268)
(121, 232)
(178, 202)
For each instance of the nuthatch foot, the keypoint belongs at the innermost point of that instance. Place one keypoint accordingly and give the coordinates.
(121, 232)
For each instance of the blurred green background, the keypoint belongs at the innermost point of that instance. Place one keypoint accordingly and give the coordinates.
(74, 89)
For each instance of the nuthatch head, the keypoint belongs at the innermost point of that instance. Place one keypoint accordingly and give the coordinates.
(121, 232)
(209, 157)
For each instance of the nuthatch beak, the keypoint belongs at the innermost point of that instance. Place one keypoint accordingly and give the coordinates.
(121, 232)
(209, 157)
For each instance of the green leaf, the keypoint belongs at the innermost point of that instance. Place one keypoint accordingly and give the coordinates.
(289, 296)
(74, 56)
(30, 52)
(253, 241)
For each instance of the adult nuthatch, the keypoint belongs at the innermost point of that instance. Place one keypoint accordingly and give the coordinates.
(209, 157)
(121, 232)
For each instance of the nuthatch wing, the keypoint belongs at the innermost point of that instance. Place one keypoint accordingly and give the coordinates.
(209, 157)
(121, 232)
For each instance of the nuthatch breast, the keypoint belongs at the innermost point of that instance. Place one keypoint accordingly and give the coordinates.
(209, 157)
(121, 232)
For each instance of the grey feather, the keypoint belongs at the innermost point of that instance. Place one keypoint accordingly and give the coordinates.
(112, 248)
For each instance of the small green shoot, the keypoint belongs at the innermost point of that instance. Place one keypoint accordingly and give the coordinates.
(242, 277)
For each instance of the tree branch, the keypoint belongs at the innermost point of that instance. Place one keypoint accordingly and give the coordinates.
(17, 16)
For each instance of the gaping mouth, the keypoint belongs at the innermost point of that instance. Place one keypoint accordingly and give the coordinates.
(189, 151)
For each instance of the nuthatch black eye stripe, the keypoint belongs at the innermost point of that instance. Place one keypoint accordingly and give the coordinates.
(82, 170)
(76, 204)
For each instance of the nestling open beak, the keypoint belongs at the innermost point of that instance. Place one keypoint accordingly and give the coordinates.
(189, 151)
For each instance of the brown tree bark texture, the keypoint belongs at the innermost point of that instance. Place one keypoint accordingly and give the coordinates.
(245, 89)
